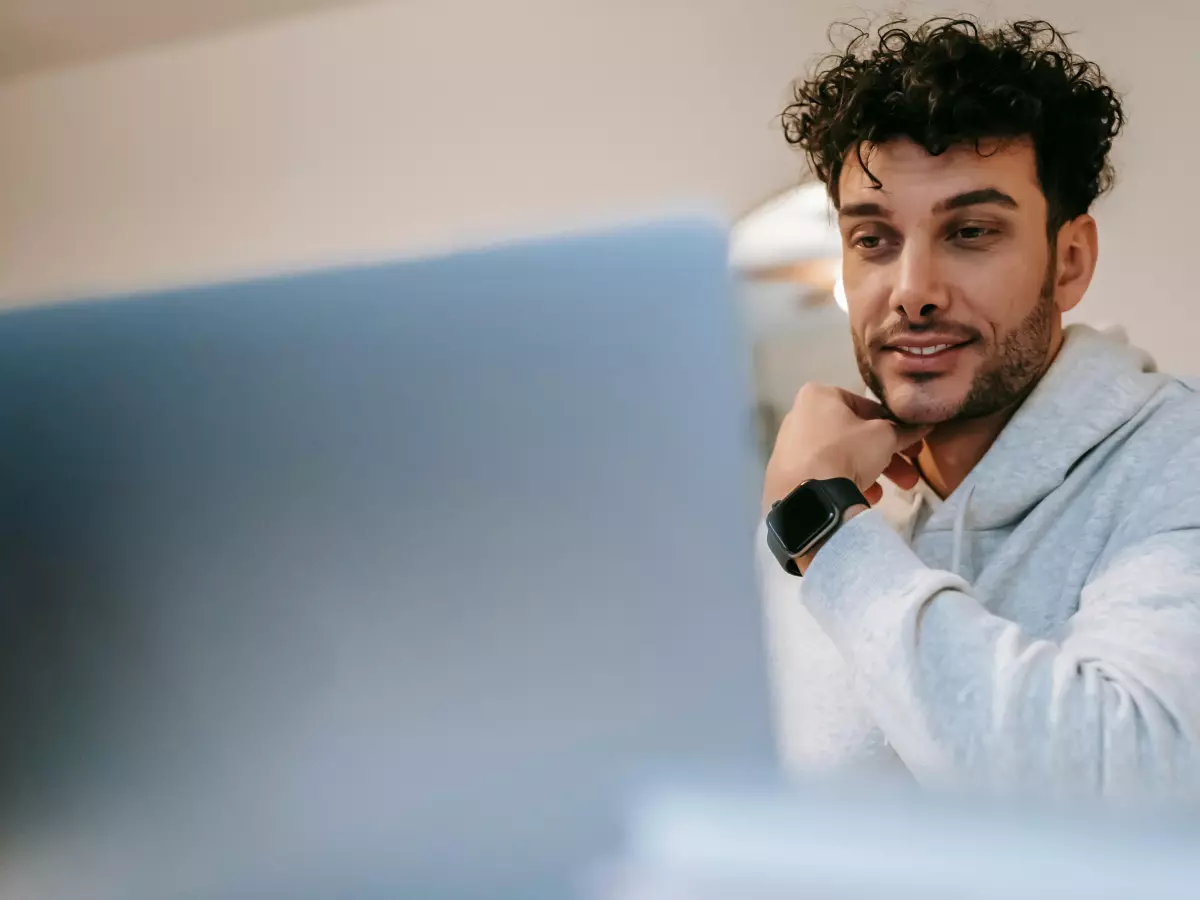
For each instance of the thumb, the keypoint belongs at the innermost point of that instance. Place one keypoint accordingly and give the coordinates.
(863, 407)
(908, 436)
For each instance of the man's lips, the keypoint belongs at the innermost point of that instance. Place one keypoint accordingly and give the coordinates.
(927, 353)
(926, 343)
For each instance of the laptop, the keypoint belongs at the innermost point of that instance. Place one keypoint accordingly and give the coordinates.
(874, 838)
(386, 581)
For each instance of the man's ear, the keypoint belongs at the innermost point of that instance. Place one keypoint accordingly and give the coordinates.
(1078, 248)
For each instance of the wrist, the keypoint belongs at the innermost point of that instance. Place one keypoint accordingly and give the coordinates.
(803, 562)
(779, 485)
(823, 468)
(804, 518)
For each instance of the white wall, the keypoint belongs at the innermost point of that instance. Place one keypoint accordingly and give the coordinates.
(396, 127)
(390, 126)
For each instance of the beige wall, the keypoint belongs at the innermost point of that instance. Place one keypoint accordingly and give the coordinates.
(386, 127)
(397, 127)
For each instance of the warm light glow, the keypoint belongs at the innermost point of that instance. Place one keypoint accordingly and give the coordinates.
(795, 227)
(839, 293)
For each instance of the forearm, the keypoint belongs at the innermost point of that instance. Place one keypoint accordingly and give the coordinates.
(964, 695)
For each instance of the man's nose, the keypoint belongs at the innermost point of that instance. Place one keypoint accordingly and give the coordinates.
(918, 292)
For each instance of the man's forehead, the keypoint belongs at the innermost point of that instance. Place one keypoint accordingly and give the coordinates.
(905, 170)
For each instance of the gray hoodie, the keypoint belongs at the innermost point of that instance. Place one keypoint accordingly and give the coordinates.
(1040, 628)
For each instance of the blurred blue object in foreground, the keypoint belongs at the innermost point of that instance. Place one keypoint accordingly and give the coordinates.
(884, 840)
(379, 582)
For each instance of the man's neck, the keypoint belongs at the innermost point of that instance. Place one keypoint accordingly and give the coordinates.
(953, 449)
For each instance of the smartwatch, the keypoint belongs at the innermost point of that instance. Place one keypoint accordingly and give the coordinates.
(808, 515)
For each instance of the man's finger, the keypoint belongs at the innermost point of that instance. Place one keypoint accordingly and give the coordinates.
(902, 473)
(863, 407)
(897, 437)
(874, 493)
(909, 435)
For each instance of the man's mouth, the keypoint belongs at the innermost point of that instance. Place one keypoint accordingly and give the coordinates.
(926, 354)
(926, 349)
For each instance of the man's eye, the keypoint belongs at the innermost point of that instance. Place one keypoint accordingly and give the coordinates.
(972, 232)
(868, 241)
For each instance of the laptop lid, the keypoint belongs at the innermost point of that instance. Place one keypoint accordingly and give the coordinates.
(373, 582)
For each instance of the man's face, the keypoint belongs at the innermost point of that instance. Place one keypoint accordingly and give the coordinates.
(949, 277)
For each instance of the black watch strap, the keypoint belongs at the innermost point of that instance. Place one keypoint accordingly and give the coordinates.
(845, 495)
(781, 555)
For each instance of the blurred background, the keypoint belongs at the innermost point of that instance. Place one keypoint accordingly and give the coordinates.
(146, 143)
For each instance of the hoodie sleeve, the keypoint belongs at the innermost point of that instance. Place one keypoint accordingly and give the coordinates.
(965, 697)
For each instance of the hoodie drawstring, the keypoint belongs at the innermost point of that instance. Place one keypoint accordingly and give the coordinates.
(960, 522)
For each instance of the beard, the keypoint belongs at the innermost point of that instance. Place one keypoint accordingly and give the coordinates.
(1007, 374)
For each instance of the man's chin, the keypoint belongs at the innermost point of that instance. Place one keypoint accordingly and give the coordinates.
(923, 410)
(925, 418)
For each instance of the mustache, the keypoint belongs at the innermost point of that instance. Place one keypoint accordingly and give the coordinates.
(895, 334)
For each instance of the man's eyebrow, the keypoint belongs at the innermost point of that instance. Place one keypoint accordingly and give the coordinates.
(958, 201)
(863, 210)
(976, 198)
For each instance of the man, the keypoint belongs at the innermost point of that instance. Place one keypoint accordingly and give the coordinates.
(1021, 606)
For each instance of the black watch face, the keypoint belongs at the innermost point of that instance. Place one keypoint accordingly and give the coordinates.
(802, 517)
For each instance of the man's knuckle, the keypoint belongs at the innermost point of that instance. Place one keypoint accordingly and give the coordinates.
(811, 389)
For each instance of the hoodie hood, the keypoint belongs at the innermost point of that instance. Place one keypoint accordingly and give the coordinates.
(1097, 384)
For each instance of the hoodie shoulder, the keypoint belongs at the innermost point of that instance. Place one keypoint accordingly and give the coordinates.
(1172, 418)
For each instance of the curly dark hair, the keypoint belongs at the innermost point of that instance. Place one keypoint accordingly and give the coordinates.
(950, 81)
